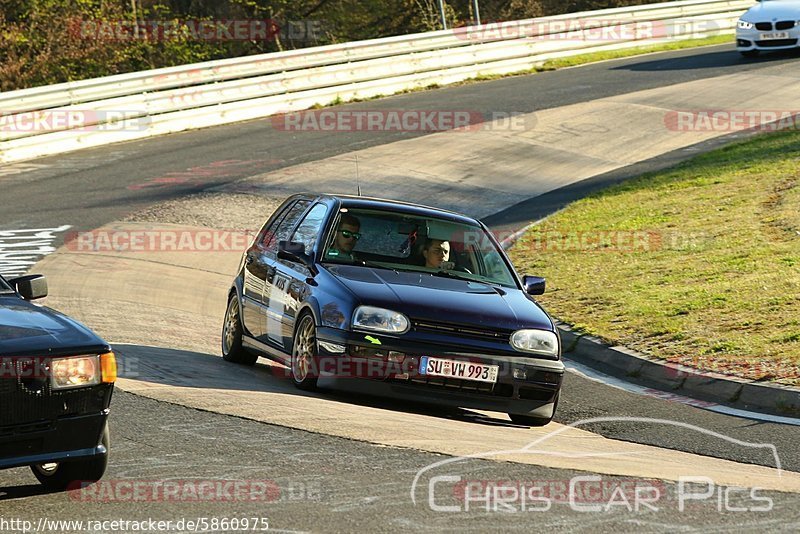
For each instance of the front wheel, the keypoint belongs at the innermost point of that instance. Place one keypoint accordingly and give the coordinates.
(57, 476)
(232, 350)
(304, 352)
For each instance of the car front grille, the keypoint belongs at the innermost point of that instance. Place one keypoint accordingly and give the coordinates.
(764, 26)
(777, 42)
(465, 386)
(784, 25)
(471, 332)
(26, 400)
(9, 431)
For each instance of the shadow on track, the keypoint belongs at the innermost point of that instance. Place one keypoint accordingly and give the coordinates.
(186, 369)
(712, 60)
(21, 492)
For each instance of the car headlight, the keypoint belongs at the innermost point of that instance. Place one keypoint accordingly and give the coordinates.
(82, 371)
(535, 341)
(380, 320)
(744, 25)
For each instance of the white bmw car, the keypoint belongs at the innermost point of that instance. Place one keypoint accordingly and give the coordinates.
(770, 25)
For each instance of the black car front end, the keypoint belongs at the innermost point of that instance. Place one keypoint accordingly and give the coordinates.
(396, 366)
(56, 382)
(39, 424)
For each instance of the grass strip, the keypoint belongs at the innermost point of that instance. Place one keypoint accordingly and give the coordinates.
(698, 264)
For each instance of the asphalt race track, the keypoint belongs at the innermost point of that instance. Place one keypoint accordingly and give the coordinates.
(320, 480)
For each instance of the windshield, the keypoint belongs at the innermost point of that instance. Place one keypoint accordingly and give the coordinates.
(403, 242)
(4, 285)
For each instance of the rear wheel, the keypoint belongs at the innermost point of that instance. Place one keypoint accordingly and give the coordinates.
(304, 353)
(57, 476)
(232, 350)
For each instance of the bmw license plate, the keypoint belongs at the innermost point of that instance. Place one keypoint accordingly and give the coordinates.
(773, 36)
(456, 369)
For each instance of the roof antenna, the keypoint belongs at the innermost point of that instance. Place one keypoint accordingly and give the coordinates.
(358, 181)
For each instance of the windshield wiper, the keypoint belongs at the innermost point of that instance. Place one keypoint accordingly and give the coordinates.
(361, 263)
(451, 274)
(456, 276)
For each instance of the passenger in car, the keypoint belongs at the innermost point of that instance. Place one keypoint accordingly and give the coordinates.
(437, 253)
(347, 235)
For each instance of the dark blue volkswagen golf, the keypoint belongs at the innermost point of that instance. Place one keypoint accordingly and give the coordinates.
(395, 299)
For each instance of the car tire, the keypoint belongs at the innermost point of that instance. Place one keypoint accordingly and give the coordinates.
(530, 420)
(304, 354)
(57, 476)
(749, 53)
(232, 350)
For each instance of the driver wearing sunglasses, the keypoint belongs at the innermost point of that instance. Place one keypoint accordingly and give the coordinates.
(347, 235)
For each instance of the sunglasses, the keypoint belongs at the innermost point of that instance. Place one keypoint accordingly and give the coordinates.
(350, 235)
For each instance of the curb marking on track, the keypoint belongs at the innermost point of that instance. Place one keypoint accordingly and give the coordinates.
(21, 249)
(597, 376)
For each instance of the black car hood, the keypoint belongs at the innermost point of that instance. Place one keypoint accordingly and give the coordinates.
(426, 297)
(30, 330)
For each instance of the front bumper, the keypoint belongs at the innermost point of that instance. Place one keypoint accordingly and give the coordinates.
(525, 385)
(752, 39)
(65, 438)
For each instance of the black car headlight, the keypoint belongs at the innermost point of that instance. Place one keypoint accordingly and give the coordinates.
(380, 320)
(536, 342)
(75, 372)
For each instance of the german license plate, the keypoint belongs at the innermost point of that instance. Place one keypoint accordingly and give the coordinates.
(455, 369)
(772, 36)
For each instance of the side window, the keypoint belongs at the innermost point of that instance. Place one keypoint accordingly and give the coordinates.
(308, 231)
(284, 227)
(268, 231)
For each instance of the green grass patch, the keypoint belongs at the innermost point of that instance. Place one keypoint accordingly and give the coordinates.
(698, 264)
(628, 52)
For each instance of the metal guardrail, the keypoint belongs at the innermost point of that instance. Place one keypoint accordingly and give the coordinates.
(147, 103)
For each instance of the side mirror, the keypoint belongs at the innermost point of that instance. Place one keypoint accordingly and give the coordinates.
(534, 285)
(31, 287)
(293, 251)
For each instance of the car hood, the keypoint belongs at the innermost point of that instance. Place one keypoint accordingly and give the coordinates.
(30, 330)
(778, 10)
(424, 297)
